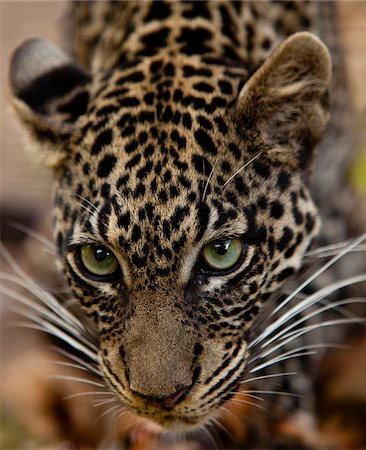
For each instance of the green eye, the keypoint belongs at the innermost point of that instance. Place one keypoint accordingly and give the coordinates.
(98, 260)
(222, 255)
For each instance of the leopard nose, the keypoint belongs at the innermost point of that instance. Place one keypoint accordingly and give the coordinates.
(168, 402)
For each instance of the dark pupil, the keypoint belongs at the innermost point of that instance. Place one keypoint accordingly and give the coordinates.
(221, 247)
(100, 254)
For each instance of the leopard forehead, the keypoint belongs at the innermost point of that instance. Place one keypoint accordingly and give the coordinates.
(158, 149)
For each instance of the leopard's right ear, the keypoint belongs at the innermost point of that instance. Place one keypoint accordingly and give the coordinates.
(49, 94)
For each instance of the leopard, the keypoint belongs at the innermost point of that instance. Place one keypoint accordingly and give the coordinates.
(182, 138)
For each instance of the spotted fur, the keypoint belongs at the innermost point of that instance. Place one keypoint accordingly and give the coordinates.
(183, 123)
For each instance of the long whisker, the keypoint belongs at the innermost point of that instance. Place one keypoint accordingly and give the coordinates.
(264, 377)
(92, 393)
(78, 379)
(33, 234)
(88, 202)
(209, 179)
(326, 266)
(289, 394)
(313, 314)
(284, 357)
(241, 169)
(91, 368)
(311, 299)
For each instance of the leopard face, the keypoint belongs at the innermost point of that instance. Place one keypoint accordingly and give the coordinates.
(181, 207)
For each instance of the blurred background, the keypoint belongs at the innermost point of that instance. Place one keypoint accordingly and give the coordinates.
(25, 198)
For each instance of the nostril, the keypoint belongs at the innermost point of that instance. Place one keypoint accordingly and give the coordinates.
(170, 401)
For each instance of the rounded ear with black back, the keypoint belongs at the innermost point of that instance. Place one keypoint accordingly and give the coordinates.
(49, 94)
(286, 100)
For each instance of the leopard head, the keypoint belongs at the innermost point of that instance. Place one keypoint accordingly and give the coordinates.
(181, 206)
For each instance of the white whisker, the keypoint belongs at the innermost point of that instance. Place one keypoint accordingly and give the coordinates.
(91, 368)
(209, 180)
(89, 393)
(289, 394)
(281, 358)
(105, 402)
(326, 266)
(78, 379)
(241, 168)
(264, 377)
(35, 235)
(308, 301)
(311, 315)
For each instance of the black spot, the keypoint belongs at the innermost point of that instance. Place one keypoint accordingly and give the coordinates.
(309, 223)
(194, 40)
(180, 140)
(149, 98)
(122, 181)
(205, 123)
(203, 87)
(205, 142)
(106, 165)
(250, 35)
(225, 87)
(128, 102)
(124, 220)
(149, 151)
(116, 93)
(158, 11)
(134, 77)
(169, 70)
(266, 44)
(133, 161)
(201, 164)
(139, 191)
(285, 239)
(261, 169)
(224, 218)
(76, 106)
(105, 190)
(154, 41)
(145, 170)
(196, 9)
(86, 169)
(285, 273)
(276, 210)
(187, 121)
(290, 251)
(107, 110)
(102, 140)
(227, 24)
(131, 146)
(103, 220)
(136, 233)
(167, 114)
(190, 71)
(146, 116)
(139, 261)
(234, 149)
(204, 215)
(283, 181)
(128, 131)
(221, 125)
(179, 214)
(240, 186)
(184, 181)
(262, 203)
(299, 218)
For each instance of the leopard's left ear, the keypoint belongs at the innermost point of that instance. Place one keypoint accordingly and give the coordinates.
(286, 100)
(49, 94)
